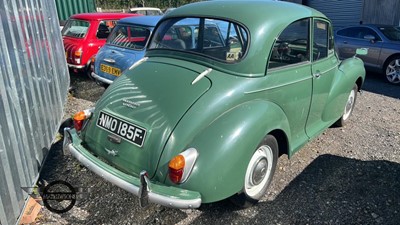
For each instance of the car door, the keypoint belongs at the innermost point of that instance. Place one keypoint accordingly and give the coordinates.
(350, 39)
(289, 78)
(324, 67)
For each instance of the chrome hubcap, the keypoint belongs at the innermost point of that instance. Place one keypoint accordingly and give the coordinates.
(349, 105)
(259, 171)
(393, 71)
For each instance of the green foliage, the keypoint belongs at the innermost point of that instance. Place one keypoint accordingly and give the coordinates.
(126, 4)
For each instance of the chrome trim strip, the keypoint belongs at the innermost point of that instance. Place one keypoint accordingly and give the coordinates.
(278, 86)
(201, 75)
(137, 63)
(102, 79)
(109, 60)
(75, 66)
(153, 197)
(328, 70)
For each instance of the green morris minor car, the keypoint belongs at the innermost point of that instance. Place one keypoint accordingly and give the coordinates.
(224, 89)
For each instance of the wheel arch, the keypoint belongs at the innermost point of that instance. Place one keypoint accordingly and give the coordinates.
(223, 158)
(394, 55)
(283, 144)
(359, 83)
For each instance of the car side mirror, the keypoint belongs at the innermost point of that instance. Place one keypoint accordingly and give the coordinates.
(361, 51)
(369, 37)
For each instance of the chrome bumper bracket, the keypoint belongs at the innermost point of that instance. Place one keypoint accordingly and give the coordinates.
(143, 190)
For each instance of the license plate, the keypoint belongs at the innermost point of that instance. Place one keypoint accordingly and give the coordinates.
(110, 70)
(123, 129)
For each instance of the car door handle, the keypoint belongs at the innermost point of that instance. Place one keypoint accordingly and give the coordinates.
(344, 42)
(109, 60)
(316, 75)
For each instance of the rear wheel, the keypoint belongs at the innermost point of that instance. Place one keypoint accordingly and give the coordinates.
(88, 71)
(348, 108)
(259, 173)
(392, 70)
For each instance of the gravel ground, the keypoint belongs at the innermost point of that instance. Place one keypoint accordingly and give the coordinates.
(347, 175)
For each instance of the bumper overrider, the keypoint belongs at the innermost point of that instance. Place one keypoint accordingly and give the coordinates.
(142, 187)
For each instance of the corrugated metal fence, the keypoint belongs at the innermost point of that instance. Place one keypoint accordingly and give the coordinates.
(67, 8)
(342, 13)
(382, 12)
(34, 82)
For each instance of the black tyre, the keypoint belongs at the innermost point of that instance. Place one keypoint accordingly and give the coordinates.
(348, 108)
(88, 71)
(259, 173)
(66, 123)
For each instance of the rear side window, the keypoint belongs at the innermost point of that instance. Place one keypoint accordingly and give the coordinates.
(132, 37)
(105, 28)
(75, 28)
(358, 32)
(218, 39)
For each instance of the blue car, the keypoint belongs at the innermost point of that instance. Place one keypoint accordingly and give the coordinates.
(125, 45)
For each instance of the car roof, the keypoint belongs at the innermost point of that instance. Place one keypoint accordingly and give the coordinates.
(264, 20)
(370, 25)
(234, 10)
(150, 21)
(144, 8)
(101, 16)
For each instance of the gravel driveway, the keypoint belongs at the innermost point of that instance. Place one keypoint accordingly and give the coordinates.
(347, 175)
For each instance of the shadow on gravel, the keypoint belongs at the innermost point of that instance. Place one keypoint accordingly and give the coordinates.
(85, 88)
(99, 202)
(376, 83)
(331, 190)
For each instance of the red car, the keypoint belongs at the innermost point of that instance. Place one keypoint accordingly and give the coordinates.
(84, 34)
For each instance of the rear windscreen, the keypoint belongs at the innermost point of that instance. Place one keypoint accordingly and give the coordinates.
(75, 28)
(132, 37)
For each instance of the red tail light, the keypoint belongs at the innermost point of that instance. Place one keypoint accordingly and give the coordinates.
(80, 117)
(78, 55)
(92, 61)
(176, 166)
(181, 166)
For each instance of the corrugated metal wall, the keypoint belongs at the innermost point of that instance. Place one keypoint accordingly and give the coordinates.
(382, 12)
(341, 12)
(34, 83)
(67, 8)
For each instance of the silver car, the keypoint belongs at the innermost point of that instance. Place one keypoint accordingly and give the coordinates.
(383, 43)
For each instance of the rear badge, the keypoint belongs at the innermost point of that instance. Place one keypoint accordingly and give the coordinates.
(111, 152)
(130, 104)
(114, 139)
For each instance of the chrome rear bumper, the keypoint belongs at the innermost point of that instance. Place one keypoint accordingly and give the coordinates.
(101, 79)
(142, 187)
(75, 66)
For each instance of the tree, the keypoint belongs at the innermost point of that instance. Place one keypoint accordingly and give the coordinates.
(124, 4)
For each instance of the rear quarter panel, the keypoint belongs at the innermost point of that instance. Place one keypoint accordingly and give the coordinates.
(225, 147)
